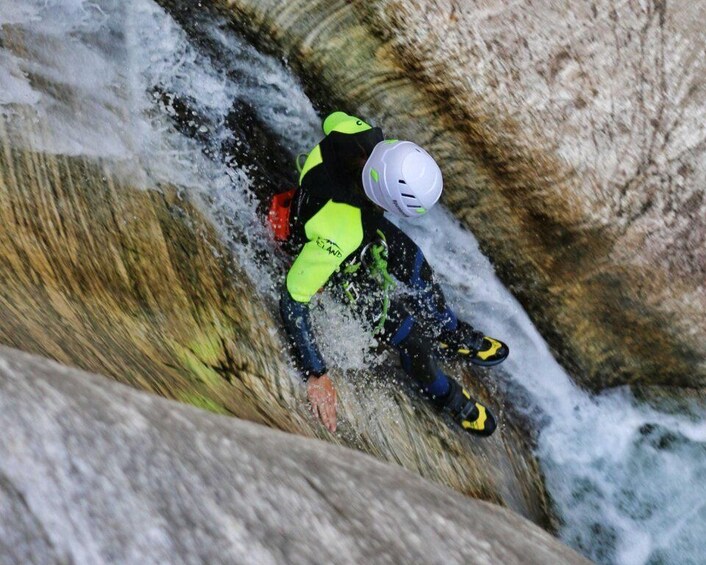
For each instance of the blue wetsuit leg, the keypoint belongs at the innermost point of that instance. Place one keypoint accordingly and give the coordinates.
(404, 332)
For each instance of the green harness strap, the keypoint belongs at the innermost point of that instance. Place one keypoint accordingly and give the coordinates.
(377, 269)
(379, 272)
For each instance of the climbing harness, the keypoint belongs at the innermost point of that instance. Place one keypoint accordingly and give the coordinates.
(374, 258)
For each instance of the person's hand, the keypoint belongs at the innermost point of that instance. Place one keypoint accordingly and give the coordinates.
(322, 398)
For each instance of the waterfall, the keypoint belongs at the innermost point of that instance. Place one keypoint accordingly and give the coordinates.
(628, 479)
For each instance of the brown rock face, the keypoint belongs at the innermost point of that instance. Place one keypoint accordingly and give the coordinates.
(572, 141)
(101, 273)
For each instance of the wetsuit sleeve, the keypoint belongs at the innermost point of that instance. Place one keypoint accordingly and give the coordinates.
(297, 323)
(407, 264)
(333, 233)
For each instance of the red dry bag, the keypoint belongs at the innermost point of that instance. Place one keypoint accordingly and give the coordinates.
(278, 216)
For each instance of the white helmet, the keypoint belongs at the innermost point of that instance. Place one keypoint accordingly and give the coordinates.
(402, 178)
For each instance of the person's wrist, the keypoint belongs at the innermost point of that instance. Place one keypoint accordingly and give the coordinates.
(314, 379)
(309, 376)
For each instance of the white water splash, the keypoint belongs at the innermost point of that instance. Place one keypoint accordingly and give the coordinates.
(81, 77)
(628, 481)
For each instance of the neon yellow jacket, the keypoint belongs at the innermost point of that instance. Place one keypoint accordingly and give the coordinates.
(328, 221)
(332, 223)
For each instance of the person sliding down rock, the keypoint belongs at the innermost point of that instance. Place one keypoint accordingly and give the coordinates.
(338, 232)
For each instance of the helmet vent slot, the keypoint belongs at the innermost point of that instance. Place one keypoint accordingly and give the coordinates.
(402, 181)
(407, 195)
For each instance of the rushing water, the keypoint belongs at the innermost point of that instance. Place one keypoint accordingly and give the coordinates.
(628, 481)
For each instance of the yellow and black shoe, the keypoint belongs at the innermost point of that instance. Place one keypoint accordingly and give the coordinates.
(469, 413)
(467, 343)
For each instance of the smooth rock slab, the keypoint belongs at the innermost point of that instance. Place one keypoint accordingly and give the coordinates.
(94, 472)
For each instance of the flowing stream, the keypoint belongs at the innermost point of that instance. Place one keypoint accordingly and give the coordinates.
(628, 481)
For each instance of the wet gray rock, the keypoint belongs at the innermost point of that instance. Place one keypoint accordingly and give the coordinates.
(92, 471)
